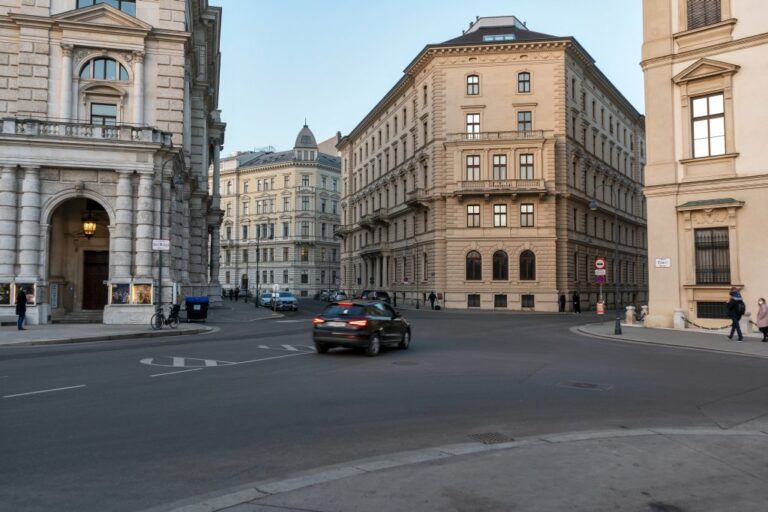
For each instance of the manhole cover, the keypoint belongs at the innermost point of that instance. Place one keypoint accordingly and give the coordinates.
(585, 385)
(405, 363)
(492, 438)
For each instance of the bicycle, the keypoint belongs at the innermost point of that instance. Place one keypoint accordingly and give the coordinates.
(159, 319)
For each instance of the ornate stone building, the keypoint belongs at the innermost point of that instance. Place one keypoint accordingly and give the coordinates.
(280, 212)
(707, 182)
(473, 176)
(109, 125)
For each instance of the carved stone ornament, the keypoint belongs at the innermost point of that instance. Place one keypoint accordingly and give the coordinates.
(710, 217)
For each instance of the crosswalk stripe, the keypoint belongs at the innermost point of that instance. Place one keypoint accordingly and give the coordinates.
(290, 347)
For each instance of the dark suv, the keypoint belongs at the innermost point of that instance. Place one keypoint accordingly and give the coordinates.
(360, 324)
(376, 295)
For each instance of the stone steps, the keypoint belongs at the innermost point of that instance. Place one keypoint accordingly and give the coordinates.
(80, 317)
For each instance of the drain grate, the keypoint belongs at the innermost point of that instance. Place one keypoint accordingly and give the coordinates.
(492, 438)
(591, 386)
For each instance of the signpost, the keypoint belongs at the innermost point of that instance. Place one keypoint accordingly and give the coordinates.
(663, 262)
(161, 245)
(600, 265)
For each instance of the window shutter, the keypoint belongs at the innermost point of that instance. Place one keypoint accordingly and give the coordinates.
(702, 13)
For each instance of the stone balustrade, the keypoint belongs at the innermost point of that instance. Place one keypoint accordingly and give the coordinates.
(73, 130)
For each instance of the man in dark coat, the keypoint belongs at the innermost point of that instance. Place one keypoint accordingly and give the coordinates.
(736, 309)
(576, 302)
(432, 298)
(237, 293)
(562, 303)
(21, 308)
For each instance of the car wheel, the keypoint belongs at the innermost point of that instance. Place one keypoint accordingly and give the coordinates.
(321, 349)
(406, 341)
(374, 347)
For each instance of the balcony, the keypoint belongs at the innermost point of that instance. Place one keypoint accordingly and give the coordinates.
(366, 221)
(495, 136)
(417, 198)
(73, 130)
(489, 188)
(342, 230)
(373, 249)
(380, 217)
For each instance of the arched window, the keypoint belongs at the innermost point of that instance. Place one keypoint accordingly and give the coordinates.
(527, 266)
(500, 266)
(103, 68)
(473, 85)
(474, 266)
(229, 188)
(524, 82)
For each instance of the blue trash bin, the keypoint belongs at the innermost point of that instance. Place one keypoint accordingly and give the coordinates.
(197, 308)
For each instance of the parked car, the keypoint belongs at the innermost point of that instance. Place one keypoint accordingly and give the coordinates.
(285, 301)
(378, 295)
(360, 324)
(339, 296)
(265, 300)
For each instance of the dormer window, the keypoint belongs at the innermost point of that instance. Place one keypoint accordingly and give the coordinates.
(103, 68)
(127, 6)
(498, 37)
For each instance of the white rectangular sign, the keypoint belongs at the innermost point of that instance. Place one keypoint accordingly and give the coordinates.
(663, 262)
(600, 272)
(161, 245)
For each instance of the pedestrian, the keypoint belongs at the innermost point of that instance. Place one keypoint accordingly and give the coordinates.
(432, 298)
(576, 303)
(231, 294)
(237, 294)
(736, 309)
(21, 308)
(762, 318)
(562, 302)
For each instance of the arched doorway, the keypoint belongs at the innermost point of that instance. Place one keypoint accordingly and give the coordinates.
(78, 260)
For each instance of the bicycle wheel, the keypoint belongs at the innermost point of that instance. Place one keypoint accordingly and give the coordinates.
(173, 322)
(157, 321)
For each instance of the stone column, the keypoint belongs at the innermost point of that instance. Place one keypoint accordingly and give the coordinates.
(138, 88)
(66, 82)
(122, 245)
(216, 184)
(29, 227)
(215, 254)
(7, 222)
(196, 230)
(144, 226)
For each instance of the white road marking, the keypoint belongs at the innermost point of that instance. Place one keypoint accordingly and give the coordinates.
(263, 346)
(290, 348)
(180, 371)
(184, 362)
(291, 321)
(275, 357)
(44, 391)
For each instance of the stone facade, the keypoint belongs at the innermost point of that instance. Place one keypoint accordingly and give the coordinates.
(707, 181)
(109, 116)
(490, 149)
(280, 213)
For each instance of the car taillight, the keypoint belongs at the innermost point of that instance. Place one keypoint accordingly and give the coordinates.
(358, 323)
(317, 321)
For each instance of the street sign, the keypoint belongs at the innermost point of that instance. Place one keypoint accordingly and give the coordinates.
(600, 272)
(600, 263)
(663, 262)
(161, 245)
(600, 279)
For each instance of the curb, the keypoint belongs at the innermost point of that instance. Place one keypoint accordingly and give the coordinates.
(113, 337)
(581, 330)
(251, 493)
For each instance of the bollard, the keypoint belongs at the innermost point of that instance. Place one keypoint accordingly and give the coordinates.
(746, 323)
(629, 316)
(678, 320)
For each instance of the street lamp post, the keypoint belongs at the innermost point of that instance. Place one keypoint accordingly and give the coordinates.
(617, 276)
(159, 304)
(258, 258)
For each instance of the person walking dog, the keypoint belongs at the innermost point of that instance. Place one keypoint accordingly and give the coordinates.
(21, 308)
(736, 309)
(762, 318)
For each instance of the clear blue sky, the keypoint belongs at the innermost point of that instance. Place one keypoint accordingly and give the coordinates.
(331, 61)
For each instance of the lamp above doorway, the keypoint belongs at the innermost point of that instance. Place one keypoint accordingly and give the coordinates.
(89, 225)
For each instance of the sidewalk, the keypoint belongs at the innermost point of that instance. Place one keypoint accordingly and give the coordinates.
(714, 341)
(702, 469)
(51, 334)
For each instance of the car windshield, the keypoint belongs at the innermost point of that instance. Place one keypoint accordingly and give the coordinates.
(286, 294)
(344, 310)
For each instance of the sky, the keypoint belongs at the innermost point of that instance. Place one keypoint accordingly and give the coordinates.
(331, 61)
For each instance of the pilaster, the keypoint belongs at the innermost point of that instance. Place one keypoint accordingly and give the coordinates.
(144, 226)
(122, 245)
(29, 226)
(8, 205)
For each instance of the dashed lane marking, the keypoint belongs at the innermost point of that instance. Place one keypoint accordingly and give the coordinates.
(174, 373)
(44, 391)
(184, 362)
(292, 321)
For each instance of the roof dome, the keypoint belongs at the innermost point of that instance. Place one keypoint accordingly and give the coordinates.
(306, 139)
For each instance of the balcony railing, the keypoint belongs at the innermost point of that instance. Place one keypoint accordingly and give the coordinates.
(501, 186)
(75, 130)
(513, 135)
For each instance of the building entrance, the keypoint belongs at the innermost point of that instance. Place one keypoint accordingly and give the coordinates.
(95, 274)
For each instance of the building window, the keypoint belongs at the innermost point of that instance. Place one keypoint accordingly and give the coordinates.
(227, 258)
(103, 114)
(103, 68)
(304, 203)
(246, 207)
(227, 277)
(245, 232)
(708, 126)
(717, 310)
(473, 126)
(229, 232)
(526, 166)
(473, 216)
(499, 215)
(527, 266)
(524, 82)
(713, 260)
(473, 300)
(526, 215)
(474, 266)
(304, 180)
(500, 266)
(524, 121)
(127, 6)
(229, 210)
(473, 85)
(473, 168)
(304, 254)
(499, 167)
(500, 301)
(304, 229)
(304, 278)
(702, 13)
(527, 301)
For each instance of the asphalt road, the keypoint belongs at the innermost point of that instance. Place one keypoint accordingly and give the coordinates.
(128, 425)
